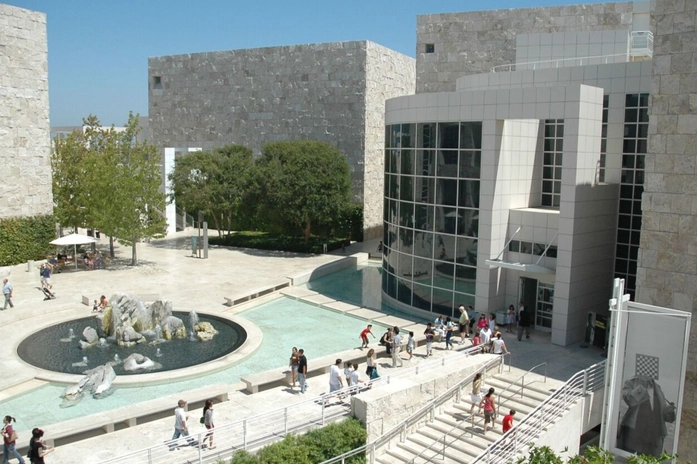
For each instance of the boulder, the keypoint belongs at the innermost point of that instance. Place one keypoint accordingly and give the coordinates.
(132, 311)
(137, 361)
(173, 327)
(160, 310)
(108, 376)
(205, 331)
(90, 335)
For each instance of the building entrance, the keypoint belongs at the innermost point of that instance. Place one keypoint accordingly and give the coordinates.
(539, 298)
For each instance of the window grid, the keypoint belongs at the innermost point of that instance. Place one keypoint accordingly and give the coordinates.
(431, 215)
(552, 162)
(636, 120)
(603, 139)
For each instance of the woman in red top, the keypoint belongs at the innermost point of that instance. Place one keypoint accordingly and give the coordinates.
(489, 405)
(9, 441)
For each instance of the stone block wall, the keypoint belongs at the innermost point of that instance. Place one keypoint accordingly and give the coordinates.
(331, 92)
(474, 42)
(667, 266)
(388, 74)
(25, 144)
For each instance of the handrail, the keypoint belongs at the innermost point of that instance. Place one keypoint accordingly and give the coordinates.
(472, 419)
(278, 422)
(522, 384)
(529, 428)
(401, 428)
(510, 67)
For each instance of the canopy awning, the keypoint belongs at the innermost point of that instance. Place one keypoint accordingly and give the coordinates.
(73, 239)
(535, 268)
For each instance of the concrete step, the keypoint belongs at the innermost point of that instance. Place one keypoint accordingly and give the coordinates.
(531, 391)
(462, 441)
(408, 452)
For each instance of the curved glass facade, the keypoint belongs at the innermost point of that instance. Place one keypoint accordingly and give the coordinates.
(431, 210)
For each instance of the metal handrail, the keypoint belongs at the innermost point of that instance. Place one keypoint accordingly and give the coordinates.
(519, 438)
(278, 423)
(401, 428)
(522, 385)
(510, 67)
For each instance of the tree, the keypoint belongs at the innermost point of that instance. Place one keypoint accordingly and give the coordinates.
(214, 183)
(301, 184)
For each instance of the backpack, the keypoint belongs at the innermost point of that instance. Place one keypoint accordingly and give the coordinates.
(30, 452)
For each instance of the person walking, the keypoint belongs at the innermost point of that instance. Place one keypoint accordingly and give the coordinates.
(498, 345)
(410, 345)
(9, 438)
(510, 319)
(489, 405)
(507, 422)
(46, 276)
(370, 363)
(523, 322)
(476, 395)
(448, 333)
(335, 380)
(7, 291)
(293, 363)
(208, 423)
(364, 336)
(37, 447)
(492, 322)
(181, 429)
(430, 334)
(396, 348)
(464, 326)
(302, 371)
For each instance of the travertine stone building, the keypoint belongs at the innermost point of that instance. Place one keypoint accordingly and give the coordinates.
(667, 273)
(331, 92)
(452, 45)
(25, 150)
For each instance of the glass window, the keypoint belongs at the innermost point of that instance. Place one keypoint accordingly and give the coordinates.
(426, 135)
(425, 189)
(423, 244)
(466, 251)
(394, 187)
(525, 248)
(514, 246)
(448, 134)
(425, 163)
(422, 296)
(552, 251)
(388, 137)
(468, 193)
(424, 217)
(446, 219)
(470, 164)
(447, 163)
(407, 162)
(471, 135)
(406, 214)
(468, 222)
(446, 191)
(395, 136)
(406, 190)
(408, 135)
(403, 292)
(465, 279)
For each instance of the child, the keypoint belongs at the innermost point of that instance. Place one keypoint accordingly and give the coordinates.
(508, 421)
(476, 341)
(364, 336)
(510, 319)
(410, 345)
(430, 333)
(95, 307)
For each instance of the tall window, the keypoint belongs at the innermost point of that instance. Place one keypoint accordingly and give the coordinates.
(636, 128)
(552, 162)
(603, 140)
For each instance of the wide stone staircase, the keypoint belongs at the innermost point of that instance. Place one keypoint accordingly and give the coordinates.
(455, 436)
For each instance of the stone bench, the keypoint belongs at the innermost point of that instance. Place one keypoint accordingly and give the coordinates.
(317, 366)
(129, 416)
(247, 296)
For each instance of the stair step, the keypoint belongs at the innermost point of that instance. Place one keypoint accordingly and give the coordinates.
(475, 439)
(446, 423)
(530, 391)
(540, 388)
(462, 441)
(420, 443)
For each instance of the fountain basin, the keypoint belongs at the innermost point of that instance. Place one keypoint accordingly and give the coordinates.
(57, 367)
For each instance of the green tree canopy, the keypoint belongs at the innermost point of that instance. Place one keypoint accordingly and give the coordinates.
(301, 184)
(213, 182)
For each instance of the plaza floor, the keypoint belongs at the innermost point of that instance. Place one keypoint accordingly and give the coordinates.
(167, 269)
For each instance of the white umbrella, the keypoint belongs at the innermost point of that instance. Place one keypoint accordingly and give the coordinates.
(74, 240)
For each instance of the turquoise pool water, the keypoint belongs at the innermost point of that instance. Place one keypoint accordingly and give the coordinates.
(361, 286)
(285, 323)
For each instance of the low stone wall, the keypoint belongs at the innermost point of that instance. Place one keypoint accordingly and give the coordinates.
(381, 409)
(329, 268)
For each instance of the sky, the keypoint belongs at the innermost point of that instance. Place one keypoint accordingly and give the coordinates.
(98, 50)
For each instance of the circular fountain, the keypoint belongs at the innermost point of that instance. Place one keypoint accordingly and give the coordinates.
(130, 329)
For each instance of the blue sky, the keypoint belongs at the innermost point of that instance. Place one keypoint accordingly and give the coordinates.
(98, 50)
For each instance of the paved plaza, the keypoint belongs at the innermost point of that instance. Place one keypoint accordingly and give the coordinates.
(167, 269)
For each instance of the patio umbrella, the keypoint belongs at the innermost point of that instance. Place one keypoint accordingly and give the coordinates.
(74, 240)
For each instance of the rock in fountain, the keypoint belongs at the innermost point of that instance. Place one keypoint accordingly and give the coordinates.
(173, 327)
(90, 338)
(137, 362)
(97, 381)
(205, 331)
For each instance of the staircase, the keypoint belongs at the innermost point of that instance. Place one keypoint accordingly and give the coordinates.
(463, 434)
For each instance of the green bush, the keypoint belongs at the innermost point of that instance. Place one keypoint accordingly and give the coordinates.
(314, 447)
(268, 241)
(25, 238)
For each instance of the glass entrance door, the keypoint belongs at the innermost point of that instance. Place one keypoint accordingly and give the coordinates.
(545, 303)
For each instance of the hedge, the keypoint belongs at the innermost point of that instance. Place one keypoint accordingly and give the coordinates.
(314, 447)
(277, 242)
(25, 238)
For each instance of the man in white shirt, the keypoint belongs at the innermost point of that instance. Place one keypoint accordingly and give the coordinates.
(335, 381)
(180, 427)
(396, 348)
(439, 328)
(485, 337)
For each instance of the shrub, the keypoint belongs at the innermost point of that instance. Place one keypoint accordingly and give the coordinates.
(268, 241)
(25, 238)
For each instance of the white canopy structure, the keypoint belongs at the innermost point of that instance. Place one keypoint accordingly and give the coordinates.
(74, 240)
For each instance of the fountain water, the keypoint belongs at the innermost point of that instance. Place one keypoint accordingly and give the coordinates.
(117, 360)
(193, 318)
(158, 332)
(158, 353)
(71, 333)
(85, 360)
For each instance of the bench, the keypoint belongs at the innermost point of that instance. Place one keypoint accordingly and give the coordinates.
(247, 296)
(129, 416)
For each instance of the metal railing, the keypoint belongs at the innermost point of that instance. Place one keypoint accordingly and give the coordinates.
(531, 427)
(427, 411)
(641, 43)
(522, 386)
(562, 63)
(258, 430)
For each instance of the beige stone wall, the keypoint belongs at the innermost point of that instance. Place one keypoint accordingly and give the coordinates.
(25, 145)
(474, 42)
(388, 74)
(667, 274)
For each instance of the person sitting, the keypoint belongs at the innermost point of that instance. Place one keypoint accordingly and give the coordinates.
(95, 308)
(103, 303)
